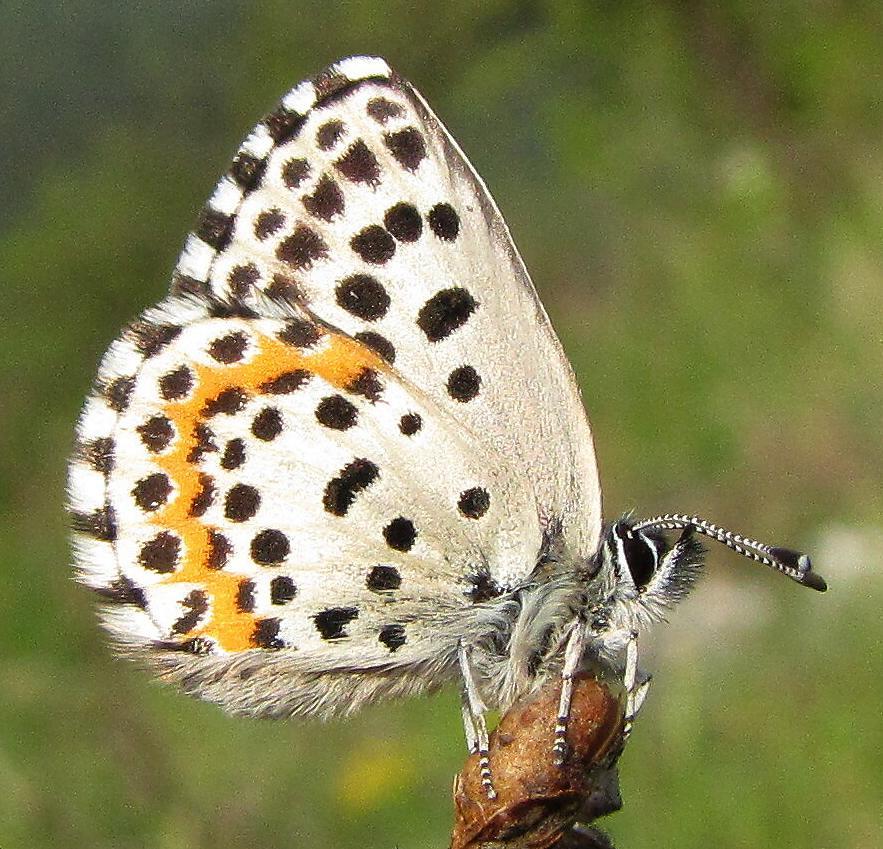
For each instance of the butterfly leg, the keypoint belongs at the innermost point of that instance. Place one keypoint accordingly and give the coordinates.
(636, 684)
(474, 722)
(642, 687)
(468, 725)
(576, 643)
(629, 679)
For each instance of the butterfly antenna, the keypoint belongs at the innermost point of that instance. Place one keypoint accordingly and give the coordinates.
(794, 564)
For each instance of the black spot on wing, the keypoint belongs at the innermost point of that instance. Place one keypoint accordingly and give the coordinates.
(329, 86)
(242, 279)
(463, 383)
(381, 109)
(286, 383)
(282, 589)
(247, 170)
(204, 496)
(400, 534)
(300, 333)
(99, 454)
(374, 245)
(266, 634)
(474, 502)
(270, 547)
(229, 348)
(410, 423)
(100, 524)
(331, 623)
(184, 284)
(444, 222)
(241, 503)
(407, 146)
(404, 222)
(341, 491)
(245, 599)
(123, 591)
(205, 443)
(392, 636)
(268, 222)
(233, 309)
(359, 165)
(285, 288)
(156, 433)
(337, 413)
(294, 172)
(160, 554)
(302, 248)
(234, 454)
(444, 312)
(329, 134)
(283, 123)
(379, 344)
(227, 402)
(214, 228)
(151, 492)
(197, 645)
(151, 338)
(367, 384)
(363, 296)
(383, 578)
(118, 393)
(195, 606)
(326, 200)
(176, 384)
(219, 550)
(267, 424)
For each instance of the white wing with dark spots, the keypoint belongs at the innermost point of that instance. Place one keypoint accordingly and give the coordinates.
(355, 203)
(265, 484)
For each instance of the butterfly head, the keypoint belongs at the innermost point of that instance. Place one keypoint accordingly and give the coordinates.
(641, 560)
(645, 564)
(635, 556)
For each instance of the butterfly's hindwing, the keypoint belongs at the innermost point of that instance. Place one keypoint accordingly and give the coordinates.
(275, 485)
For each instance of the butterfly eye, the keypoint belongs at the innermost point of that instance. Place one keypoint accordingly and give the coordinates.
(641, 554)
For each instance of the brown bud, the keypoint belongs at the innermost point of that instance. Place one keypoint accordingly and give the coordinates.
(538, 802)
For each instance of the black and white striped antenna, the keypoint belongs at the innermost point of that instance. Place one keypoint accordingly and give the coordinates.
(794, 564)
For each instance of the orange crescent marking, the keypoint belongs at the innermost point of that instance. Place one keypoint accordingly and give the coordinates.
(339, 362)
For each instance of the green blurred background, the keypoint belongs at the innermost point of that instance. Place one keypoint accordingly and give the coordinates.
(698, 190)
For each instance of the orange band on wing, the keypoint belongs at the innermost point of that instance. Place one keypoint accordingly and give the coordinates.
(339, 360)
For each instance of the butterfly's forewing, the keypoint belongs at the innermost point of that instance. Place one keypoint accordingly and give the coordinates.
(353, 200)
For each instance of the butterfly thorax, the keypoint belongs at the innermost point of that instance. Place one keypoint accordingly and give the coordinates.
(518, 638)
(630, 582)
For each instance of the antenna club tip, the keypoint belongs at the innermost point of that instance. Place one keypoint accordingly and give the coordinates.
(814, 581)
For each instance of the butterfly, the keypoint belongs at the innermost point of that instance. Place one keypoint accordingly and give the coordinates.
(345, 459)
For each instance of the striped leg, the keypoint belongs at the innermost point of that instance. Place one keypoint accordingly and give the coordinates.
(640, 693)
(629, 680)
(474, 723)
(576, 643)
(468, 724)
(636, 687)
